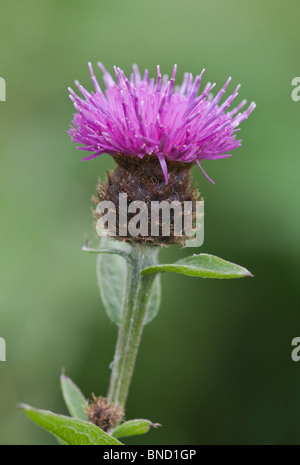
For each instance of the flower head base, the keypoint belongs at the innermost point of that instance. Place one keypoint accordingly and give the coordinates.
(139, 117)
(104, 414)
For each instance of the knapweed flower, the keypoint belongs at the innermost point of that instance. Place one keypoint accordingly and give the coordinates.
(156, 132)
(140, 117)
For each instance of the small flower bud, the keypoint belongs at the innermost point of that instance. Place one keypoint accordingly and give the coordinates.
(104, 414)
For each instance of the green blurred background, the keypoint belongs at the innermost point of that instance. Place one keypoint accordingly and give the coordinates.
(215, 366)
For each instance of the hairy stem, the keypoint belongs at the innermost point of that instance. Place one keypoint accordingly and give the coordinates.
(135, 304)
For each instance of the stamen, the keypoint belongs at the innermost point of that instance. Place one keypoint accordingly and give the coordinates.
(199, 164)
(164, 167)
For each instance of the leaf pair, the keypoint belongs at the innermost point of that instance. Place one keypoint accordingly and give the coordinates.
(112, 267)
(77, 430)
(111, 274)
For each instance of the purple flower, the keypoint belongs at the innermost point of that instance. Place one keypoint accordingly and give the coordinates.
(139, 117)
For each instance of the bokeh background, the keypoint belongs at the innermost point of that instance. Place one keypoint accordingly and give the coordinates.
(215, 366)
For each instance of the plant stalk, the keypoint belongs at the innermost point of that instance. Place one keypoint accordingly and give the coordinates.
(135, 303)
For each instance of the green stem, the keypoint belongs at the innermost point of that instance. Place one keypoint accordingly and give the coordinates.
(135, 304)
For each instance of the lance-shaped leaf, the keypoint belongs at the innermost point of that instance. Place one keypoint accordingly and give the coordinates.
(71, 431)
(133, 428)
(73, 397)
(154, 300)
(202, 266)
(111, 274)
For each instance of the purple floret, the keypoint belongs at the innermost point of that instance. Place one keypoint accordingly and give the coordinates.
(139, 117)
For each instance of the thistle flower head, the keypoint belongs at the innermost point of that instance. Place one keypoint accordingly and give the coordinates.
(140, 117)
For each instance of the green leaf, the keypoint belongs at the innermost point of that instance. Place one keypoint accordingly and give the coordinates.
(111, 251)
(111, 274)
(133, 428)
(61, 442)
(203, 266)
(71, 431)
(73, 397)
(154, 300)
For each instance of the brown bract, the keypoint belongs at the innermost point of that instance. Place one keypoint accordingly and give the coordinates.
(104, 414)
(143, 179)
